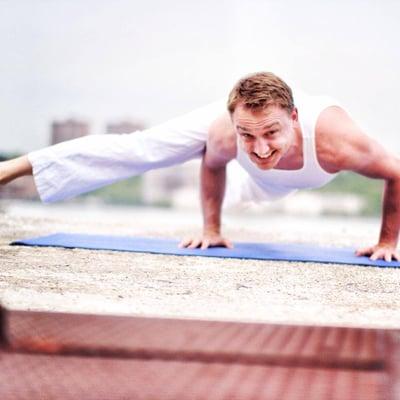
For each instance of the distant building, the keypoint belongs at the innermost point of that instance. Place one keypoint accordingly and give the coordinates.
(174, 185)
(124, 127)
(67, 130)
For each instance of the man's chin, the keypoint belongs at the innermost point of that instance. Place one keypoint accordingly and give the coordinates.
(264, 167)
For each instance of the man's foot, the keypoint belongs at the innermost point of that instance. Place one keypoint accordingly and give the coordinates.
(12, 169)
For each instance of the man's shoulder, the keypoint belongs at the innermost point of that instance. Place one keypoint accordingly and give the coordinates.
(222, 138)
(338, 139)
(336, 127)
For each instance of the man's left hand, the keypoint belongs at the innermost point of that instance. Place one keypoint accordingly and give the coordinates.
(380, 251)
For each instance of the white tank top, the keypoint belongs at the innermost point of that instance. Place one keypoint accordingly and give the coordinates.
(279, 182)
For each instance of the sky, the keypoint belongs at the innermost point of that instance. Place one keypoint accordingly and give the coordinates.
(102, 61)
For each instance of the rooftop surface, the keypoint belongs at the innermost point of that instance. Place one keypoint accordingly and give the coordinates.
(85, 281)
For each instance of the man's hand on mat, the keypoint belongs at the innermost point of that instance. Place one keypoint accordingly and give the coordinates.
(205, 241)
(380, 251)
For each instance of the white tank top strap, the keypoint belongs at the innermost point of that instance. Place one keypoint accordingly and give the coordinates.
(310, 108)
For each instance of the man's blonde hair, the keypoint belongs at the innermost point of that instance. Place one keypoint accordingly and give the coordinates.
(260, 90)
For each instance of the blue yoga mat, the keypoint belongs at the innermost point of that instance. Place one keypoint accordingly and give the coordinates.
(255, 251)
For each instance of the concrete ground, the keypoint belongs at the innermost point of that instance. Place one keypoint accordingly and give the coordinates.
(206, 288)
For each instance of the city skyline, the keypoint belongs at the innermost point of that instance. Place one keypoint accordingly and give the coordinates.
(154, 61)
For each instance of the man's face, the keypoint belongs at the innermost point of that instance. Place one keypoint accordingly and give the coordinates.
(265, 135)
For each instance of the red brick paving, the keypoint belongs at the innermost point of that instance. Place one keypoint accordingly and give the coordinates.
(72, 356)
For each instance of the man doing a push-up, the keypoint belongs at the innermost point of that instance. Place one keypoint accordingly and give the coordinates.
(285, 140)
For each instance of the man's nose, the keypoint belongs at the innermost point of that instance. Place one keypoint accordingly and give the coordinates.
(261, 147)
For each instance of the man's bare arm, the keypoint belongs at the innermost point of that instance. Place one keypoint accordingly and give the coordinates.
(389, 235)
(220, 149)
(213, 181)
(346, 147)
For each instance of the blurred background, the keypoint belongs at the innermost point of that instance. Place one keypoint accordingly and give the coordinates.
(75, 68)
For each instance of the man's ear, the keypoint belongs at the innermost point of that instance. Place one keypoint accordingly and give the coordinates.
(294, 114)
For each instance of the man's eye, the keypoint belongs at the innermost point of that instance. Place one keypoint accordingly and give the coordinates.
(273, 132)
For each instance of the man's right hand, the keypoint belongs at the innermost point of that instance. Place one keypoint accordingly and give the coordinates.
(205, 241)
(220, 149)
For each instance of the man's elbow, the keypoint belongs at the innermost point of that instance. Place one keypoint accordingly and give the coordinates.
(395, 171)
(393, 179)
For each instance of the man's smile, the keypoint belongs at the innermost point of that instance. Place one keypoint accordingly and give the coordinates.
(265, 158)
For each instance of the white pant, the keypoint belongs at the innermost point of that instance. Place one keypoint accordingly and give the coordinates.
(77, 166)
